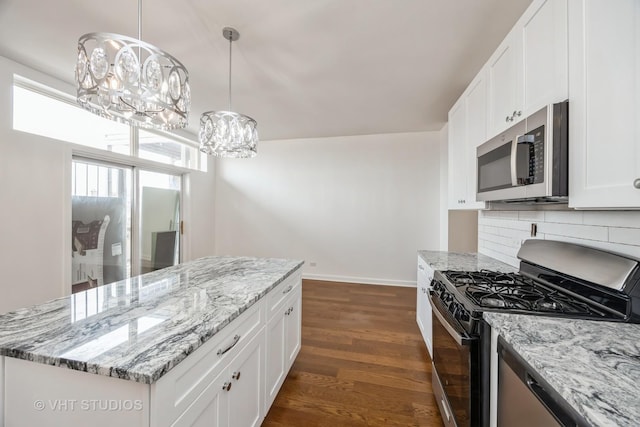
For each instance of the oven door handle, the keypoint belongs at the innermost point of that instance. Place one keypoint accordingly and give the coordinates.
(460, 338)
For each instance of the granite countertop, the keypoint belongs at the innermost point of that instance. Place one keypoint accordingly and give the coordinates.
(440, 260)
(138, 329)
(593, 365)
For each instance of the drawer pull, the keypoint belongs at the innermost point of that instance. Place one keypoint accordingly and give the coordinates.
(636, 183)
(236, 338)
(226, 386)
(236, 375)
(286, 291)
(420, 267)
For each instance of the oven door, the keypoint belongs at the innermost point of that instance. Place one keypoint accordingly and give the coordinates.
(454, 366)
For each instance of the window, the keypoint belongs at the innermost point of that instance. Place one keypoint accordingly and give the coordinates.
(59, 117)
(125, 214)
(63, 121)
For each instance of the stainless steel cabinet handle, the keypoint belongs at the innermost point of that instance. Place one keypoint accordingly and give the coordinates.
(636, 183)
(518, 114)
(236, 375)
(508, 119)
(226, 386)
(286, 291)
(420, 267)
(233, 344)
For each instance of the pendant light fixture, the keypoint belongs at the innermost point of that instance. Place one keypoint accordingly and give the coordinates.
(225, 133)
(130, 81)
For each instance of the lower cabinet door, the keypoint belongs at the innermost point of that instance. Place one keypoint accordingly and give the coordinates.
(293, 338)
(246, 398)
(209, 409)
(275, 366)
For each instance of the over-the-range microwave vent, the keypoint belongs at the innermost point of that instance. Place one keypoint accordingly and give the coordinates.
(537, 203)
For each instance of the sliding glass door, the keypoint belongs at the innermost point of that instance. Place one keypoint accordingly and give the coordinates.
(118, 232)
(159, 220)
(101, 221)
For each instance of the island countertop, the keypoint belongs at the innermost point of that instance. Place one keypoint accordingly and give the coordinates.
(593, 365)
(139, 328)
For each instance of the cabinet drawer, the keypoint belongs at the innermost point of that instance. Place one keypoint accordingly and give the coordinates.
(178, 389)
(277, 296)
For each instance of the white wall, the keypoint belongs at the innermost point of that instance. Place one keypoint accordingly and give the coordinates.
(358, 207)
(35, 206)
(500, 233)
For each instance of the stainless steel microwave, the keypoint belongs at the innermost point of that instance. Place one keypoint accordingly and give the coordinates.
(529, 161)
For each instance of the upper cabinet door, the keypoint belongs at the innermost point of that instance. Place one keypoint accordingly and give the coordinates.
(456, 156)
(604, 94)
(530, 67)
(544, 36)
(476, 104)
(504, 74)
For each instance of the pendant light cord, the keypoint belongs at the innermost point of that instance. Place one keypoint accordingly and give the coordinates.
(139, 19)
(230, 42)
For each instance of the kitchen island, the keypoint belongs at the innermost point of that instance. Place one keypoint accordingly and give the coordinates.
(186, 345)
(594, 366)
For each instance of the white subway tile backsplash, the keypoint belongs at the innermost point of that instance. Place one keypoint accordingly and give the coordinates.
(630, 219)
(500, 214)
(564, 217)
(590, 232)
(501, 233)
(531, 215)
(627, 236)
(506, 223)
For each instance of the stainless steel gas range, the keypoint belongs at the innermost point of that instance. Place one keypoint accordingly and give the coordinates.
(555, 279)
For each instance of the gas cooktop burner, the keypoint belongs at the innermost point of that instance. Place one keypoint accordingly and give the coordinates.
(489, 289)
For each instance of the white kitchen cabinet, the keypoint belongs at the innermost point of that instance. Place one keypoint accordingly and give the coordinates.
(210, 409)
(530, 67)
(245, 385)
(234, 398)
(456, 156)
(284, 338)
(604, 94)
(504, 73)
(544, 41)
(467, 129)
(220, 384)
(423, 307)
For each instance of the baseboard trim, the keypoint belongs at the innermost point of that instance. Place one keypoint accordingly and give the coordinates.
(363, 280)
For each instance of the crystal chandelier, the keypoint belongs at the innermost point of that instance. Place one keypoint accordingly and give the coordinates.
(130, 81)
(226, 133)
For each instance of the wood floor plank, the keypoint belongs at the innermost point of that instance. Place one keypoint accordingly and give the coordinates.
(362, 363)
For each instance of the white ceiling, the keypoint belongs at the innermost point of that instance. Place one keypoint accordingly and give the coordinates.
(302, 68)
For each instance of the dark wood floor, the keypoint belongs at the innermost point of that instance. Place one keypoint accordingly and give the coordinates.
(362, 362)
